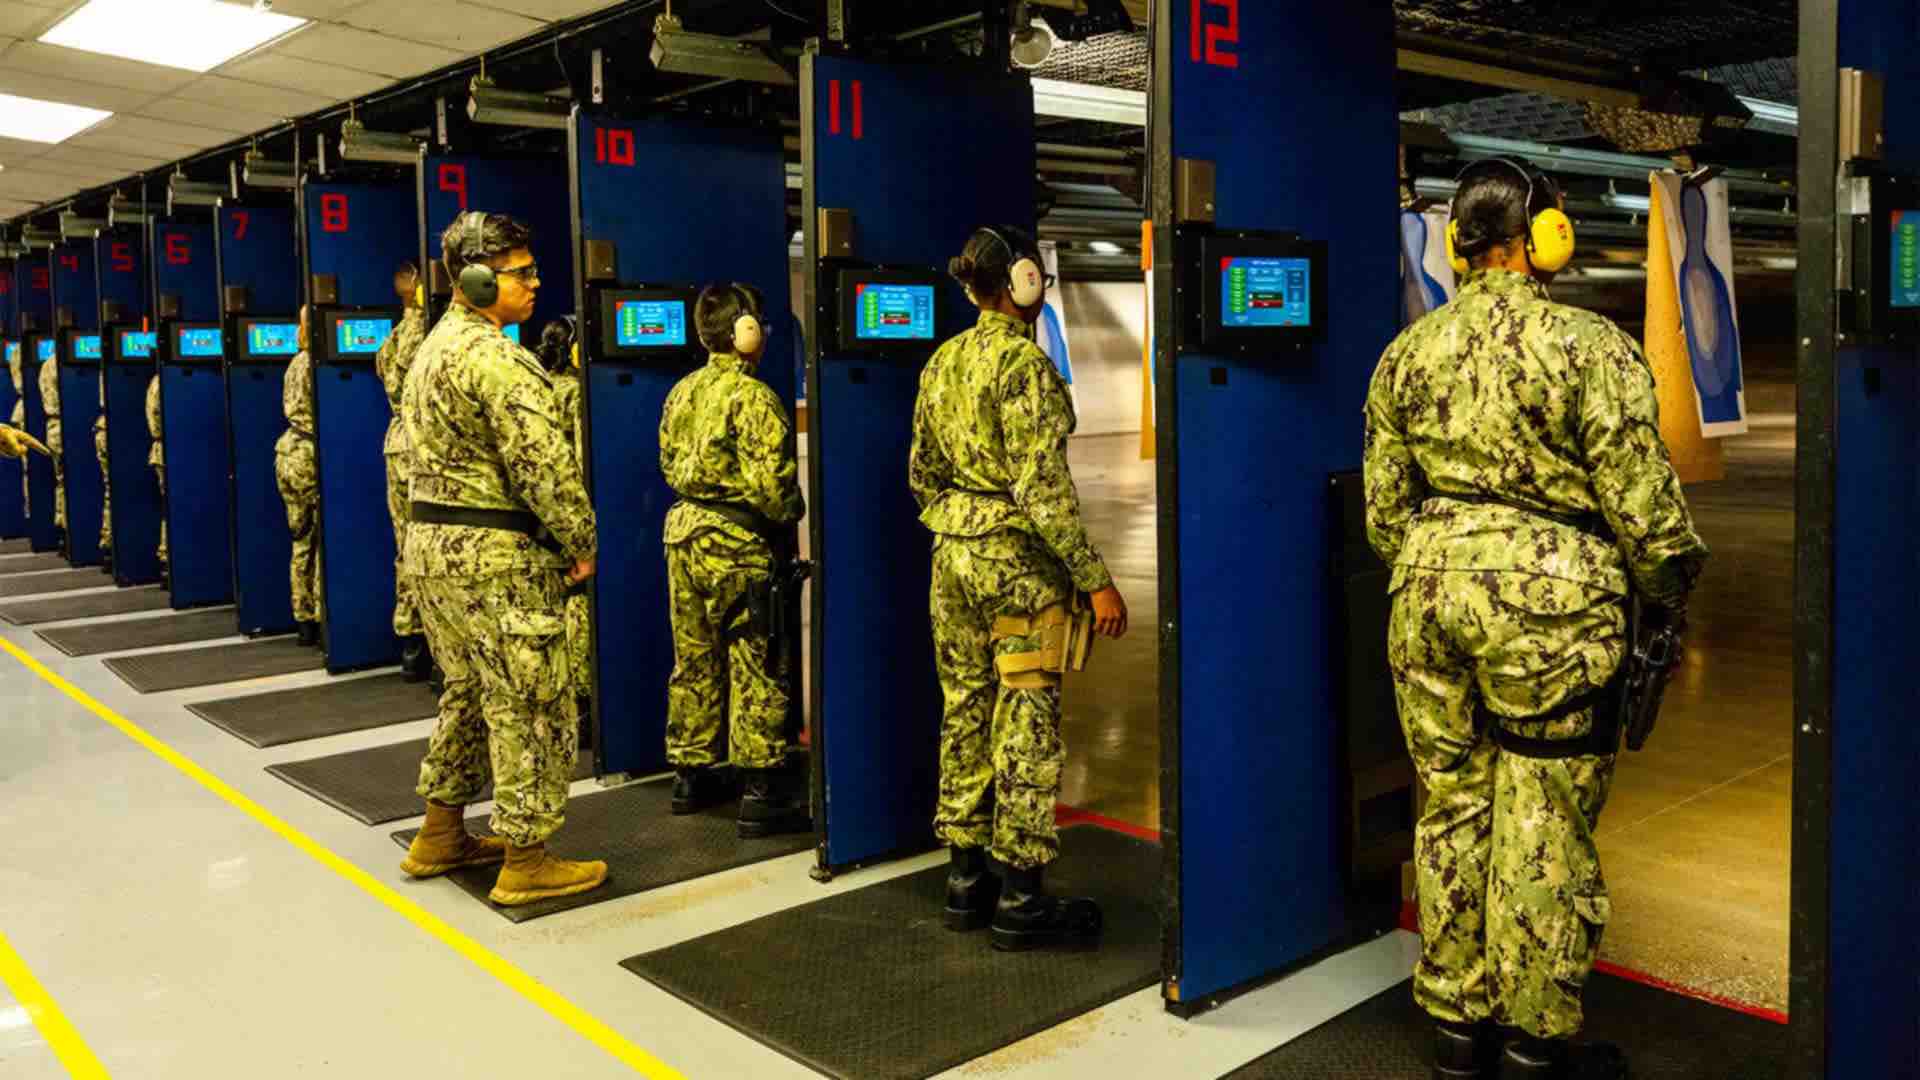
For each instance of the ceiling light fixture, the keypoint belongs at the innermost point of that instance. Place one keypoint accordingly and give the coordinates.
(194, 35)
(33, 120)
(124, 211)
(265, 172)
(1032, 38)
(683, 52)
(75, 227)
(488, 104)
(37, 238)
(357, 143)
(184, 192)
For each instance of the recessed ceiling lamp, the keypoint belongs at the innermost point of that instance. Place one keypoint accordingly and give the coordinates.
(195, 35)
(33, 120)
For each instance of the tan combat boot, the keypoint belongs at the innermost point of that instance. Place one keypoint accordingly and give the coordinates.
(531, 874)
(444, 844)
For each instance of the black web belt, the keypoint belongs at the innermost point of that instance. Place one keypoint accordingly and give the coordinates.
(524, 522)
(1594, 525)
(753, 521)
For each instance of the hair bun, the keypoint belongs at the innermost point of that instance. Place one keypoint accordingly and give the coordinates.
(962, 267)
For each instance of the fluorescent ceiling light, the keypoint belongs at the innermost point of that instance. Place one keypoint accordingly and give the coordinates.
(1105, 247)
(197, 35)
(33, 120)
(1079, 101)
(1772, 116)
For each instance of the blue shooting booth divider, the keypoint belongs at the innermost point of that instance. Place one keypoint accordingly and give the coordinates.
(530, 189)
(922, 156)
(193, 416)
(119, 257)
(33, 289)
(256, 245)
(76, 298)
(356, 233)
(1251, 820)
(644, 187)
(13, 495)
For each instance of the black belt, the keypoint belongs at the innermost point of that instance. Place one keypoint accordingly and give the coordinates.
(1594, 525)
(524, 522)
(751, 520)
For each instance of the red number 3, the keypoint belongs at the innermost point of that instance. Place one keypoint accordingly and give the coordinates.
(1215, 35)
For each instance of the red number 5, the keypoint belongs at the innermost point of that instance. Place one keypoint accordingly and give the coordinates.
(1215, 35)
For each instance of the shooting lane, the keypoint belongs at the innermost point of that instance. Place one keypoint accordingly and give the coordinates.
(76, 311)
(13, 492)
(33, 286)
(354, 233)
(193, 407)
(643, 248)
(1856, 824)
(126, 364)
(259, 270)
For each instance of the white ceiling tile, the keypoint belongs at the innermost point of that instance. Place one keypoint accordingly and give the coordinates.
(465, 27)
(78, 175)
(304, 75)
(24, 20)
(227, 122)
(35, 185)
(318, 9)
(106, 159)
(552, 10)
(53, 88)
(194, 136)
(93, 68)
(364, 50)
(252, 97)
(123, 142)
(15, 206)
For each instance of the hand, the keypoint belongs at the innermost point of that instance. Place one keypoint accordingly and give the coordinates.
(1110, 612)
(14, 443)
(581, 572)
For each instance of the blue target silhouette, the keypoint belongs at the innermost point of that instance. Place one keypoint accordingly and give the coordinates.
(1706, 303)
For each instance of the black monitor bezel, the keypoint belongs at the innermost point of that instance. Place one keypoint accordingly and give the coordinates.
(1206, 325)
(240, 324)
(31, 356)
(605, 300)
(64, 348)
(168, 350)
(322, 340)
(846, 280)
(110, 353)
(1890, 193)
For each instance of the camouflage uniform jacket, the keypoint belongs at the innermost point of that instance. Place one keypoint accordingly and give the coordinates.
(486, 432)
(990, 446)
(1507, 395)
(392, 363)
(296, 394)
(157, 450)
(725, 437)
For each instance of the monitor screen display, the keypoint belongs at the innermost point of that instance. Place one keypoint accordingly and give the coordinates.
(273, 338)
(137, 343)
(650, 324)
(1904, 285)
(359, 337)
(86, 346)
(200, 342)
(1256, 292)
(893, 312)
(13, 353)
(43, 349)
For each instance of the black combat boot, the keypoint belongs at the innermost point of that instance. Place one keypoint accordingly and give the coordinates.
(972, 889)
(1530, 1058)
(1465, 1051)
(1028, 918)
(106, 562)
(769, 806)
(309, 634)
(416, 660)
(697, 787)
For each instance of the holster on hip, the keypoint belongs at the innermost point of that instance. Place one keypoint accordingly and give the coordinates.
(1064, 634)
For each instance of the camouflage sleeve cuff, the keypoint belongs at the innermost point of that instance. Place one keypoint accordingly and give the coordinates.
(1092, 575)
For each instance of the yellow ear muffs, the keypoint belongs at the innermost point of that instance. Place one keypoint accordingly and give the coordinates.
(1551, 241)
(576, 356)
(747, 335)
(420, 296)
(1454, 260)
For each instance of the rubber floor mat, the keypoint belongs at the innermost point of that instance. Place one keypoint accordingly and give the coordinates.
(312, 712)
(30, 564)
(95, 638)
(156, 671)
(375, 785)
(1665, 1036)
(645, 846)
(15, 547)
(890, 992)
(52, 581)
(89, 606)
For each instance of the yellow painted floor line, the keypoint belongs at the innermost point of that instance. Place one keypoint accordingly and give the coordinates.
(484, 958)
(67, 1044)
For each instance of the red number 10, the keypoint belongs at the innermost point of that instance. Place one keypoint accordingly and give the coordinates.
(1215, 34)
(613, 146)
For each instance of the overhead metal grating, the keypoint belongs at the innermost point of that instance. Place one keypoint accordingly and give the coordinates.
(1116, 60)
(1625, 32)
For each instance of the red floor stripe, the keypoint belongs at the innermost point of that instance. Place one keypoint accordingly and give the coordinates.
(1073, 815)
(1410, 921)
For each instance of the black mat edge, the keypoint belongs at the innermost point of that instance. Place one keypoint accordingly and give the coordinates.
(112, 664)
(73, 578)
(583, 770)
(945, 1066)
(58, 644)
(12, 618)
(15, 546)
(34, 564)
(196, 707)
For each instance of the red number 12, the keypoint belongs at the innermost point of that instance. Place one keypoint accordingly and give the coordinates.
(1215, 35)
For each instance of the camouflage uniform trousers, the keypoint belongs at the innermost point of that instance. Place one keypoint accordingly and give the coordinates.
(506, 713)
(19, 421)
(160, 477)
(721, 669)
(106, 485)
(57, 442)
(298, 477)
(580, 644)
(1511, 896)
(1000, 748)
(406, 615)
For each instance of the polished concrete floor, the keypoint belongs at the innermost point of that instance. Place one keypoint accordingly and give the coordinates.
(1695, 837)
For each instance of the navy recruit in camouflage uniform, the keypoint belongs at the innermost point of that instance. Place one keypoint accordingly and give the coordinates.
(1503, 394)
(296, 469)
(391, 364)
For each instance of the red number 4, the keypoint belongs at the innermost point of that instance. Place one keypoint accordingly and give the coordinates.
(1215, 35)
